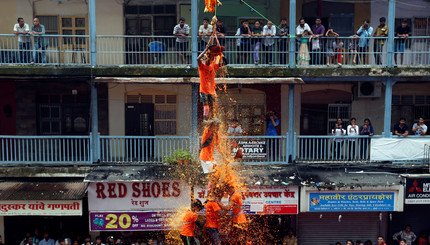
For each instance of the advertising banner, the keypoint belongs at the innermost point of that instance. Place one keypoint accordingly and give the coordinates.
(389, 149)
(160, 195)
(39, 208)
(263, 200)
(417, 191)
(129, 221)
(251, 149)
(351, 201)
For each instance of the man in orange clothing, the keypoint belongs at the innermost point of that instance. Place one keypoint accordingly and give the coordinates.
(210, 140)
(189, 223)
(213, 211)
(207, 81)
(239, 218)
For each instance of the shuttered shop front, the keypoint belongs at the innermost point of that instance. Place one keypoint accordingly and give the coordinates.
(328, 228)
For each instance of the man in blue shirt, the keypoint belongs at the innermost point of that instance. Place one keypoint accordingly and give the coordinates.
(272, 123)
(47, 240)
(364, 32)
(38, 30)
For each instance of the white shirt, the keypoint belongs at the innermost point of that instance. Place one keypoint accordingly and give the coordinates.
(300, 30)
(181, 30)
(234, 130)
(269, 40)
(21, 37)
(418, 132)
(238, 39)
(205, 31)
(352, 131)
(338, 132)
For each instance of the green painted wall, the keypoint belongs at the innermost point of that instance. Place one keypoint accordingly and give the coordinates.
(232, 11)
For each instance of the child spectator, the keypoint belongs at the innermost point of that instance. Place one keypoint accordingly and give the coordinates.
(330, 34)
(337, 47)
(352, 47)
(303, 57)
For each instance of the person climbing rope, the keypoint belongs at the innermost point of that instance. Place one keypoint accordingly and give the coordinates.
(210, 140)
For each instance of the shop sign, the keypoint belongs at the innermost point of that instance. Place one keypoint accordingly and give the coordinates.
(39, 208)
(417, 191)
(138, 196)
(129, 221)
(251, 149)
(263, 200)
(351, 201)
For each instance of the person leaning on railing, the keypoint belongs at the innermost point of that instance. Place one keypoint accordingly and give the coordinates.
(21, 30)
(420, 128)
(364, 32)
(338, 130)
(366, 129)
(381, 31)
(38, 30)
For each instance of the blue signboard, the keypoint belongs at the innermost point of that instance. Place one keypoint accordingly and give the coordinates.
(351, 201)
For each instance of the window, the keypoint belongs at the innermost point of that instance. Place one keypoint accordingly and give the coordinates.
(74, 25)
(150, 19)
(335, 111)
(50, 22)
(50, 119)
(165, 111)
(418, 104)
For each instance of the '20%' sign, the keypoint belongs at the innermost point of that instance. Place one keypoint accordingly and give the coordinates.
(131, 221)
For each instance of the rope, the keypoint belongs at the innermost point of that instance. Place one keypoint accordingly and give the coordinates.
(256, 11)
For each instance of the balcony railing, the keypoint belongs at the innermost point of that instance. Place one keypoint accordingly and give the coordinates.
(165, 50)
(153, 149)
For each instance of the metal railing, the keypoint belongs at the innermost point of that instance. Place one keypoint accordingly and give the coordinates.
(45, 149)
(333, 148)
(153, 149)
(140, 149)
(166, 50)
(46, 49)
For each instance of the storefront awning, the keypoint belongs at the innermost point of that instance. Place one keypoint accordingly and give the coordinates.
(42, 191)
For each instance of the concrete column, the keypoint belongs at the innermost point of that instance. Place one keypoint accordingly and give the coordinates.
(194, 32)
(387, 109)
(2, 229)
(194, 118)
(291, 138)
(94, 103)
(292, 52)
(391, 30)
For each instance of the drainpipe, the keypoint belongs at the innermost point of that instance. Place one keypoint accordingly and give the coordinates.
(291, 137)
(94, 107)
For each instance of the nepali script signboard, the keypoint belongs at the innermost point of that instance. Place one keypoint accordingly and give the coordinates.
(263, 199)
(417, 191)
(351, 201)
(129, 221)
(41, 207)
(163, 195)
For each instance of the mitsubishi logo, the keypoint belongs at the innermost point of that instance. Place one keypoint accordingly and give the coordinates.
(418, 189)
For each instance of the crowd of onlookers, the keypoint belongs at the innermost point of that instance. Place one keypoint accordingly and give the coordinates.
(45, 238)
(316, 44)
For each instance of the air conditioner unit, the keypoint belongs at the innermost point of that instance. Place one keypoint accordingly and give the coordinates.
(369, 89)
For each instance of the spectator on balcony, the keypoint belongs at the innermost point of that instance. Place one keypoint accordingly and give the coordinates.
(352, 131)
(269, 31)
(317, 43)
(366, 129)
(331, 35)
(257, 33)
(40, 42)
(24, 43)
(283, 32)
(290, 239)
(338, 130)
(302, 27)
(272, 123)
(303, 56)
(364, 32)
(235, 129)
(245, 42)
(402, 33)
(181, 31)
(221, 31)
(338, 49)
(352, 47)
(420, 128)
(401, 129)
(382, 32)
(205, 31)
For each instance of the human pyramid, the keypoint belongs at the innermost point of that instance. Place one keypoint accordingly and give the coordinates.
(222, 179)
